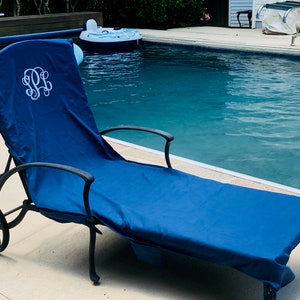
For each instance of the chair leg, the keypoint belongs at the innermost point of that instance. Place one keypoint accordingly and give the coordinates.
(93, 275)
(5, 232)
(238, 18)
(269, 292)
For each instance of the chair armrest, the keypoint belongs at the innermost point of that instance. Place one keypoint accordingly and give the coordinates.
(87, 177)
(167, 136)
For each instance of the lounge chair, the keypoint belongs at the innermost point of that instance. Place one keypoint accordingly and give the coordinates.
(280, 17)
(71, 174)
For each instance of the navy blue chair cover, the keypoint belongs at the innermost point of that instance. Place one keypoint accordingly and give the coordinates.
(45, 117)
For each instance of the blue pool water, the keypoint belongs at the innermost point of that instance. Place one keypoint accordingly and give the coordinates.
(237, 111)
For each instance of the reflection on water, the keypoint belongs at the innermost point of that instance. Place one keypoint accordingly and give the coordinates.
(233, 110)
(264, 77)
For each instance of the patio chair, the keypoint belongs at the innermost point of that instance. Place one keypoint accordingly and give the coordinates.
(71, 174)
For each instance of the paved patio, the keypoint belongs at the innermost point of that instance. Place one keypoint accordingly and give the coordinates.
(47, 260)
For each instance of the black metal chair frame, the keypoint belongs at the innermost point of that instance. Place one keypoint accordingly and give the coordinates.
(249, 15)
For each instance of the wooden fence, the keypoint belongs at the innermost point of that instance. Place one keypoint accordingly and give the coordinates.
(45, 23)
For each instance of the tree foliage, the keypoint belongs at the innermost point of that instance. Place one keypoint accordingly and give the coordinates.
(125, 13)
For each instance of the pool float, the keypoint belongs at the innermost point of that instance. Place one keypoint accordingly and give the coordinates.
(94, 36)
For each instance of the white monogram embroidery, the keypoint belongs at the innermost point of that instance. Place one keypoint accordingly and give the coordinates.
(36, 81)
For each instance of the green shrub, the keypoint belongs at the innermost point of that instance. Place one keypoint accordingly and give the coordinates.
(158, 14)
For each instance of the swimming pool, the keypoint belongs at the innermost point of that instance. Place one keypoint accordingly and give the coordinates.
(238, 111)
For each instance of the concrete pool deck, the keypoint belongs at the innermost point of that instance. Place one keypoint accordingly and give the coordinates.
(47, 260)
(243, 39)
